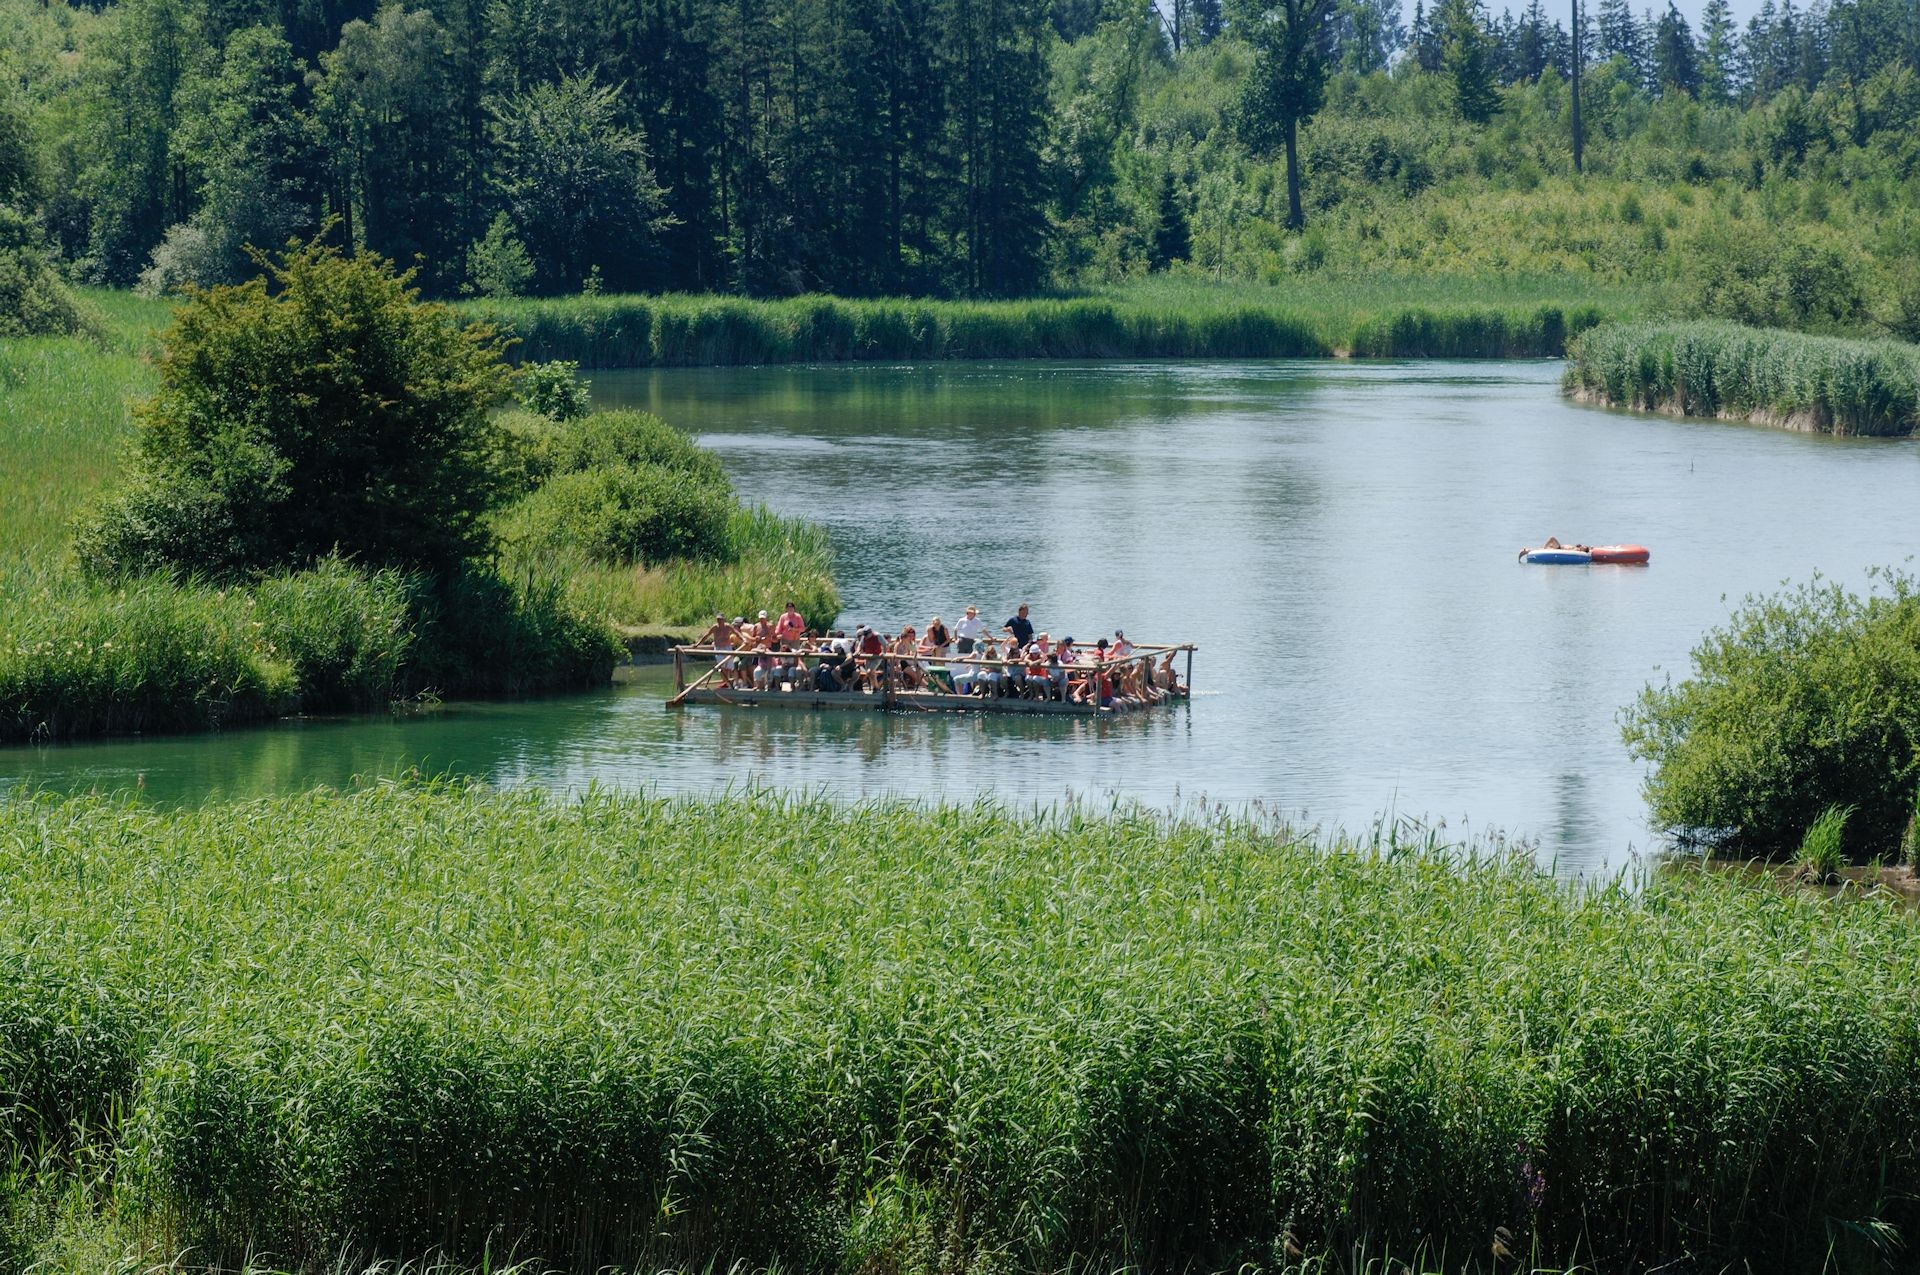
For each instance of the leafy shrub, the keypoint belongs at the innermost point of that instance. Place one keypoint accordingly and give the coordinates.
(625, 513)
(1803, 701)
(554, 390)
(33, 301)
(186, 257)
(1773, 280)
(324, 409)
(498, 265)
(479, 634)
(610, 439)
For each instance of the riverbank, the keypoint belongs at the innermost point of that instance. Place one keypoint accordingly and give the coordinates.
(1828, 385)
(1377, 317)
(416, 1019)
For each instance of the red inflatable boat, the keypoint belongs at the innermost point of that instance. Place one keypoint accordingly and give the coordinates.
(1618, 553)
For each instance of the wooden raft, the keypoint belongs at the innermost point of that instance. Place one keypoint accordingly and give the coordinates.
(894, 693)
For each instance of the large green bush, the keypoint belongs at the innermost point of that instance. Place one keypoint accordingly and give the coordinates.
(626, 513)
(321, 409)
(33, 300)
(1802, 701)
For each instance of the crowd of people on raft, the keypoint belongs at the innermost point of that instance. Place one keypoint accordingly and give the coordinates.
(783, 655)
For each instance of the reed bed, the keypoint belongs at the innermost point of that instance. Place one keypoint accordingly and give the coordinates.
(1193, 320)
(1829, 384)
(886, 1037)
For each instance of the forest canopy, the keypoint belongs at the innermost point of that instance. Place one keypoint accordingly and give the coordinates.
(996, 147)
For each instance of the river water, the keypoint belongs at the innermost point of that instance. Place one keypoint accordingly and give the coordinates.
(1339, 538)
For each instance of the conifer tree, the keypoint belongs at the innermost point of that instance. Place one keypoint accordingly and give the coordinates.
(1675, 61)
(1467, 59)
(1719, 52)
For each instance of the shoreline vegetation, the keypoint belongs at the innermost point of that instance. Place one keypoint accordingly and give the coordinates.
(1375, 317)
(182, 605)
(900, 1038)
(1820, 384)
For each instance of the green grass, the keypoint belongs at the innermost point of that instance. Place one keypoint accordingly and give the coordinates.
(1822, 849)
(66, 420)
(1182, 318)
(1831, 384)
(879, 1037)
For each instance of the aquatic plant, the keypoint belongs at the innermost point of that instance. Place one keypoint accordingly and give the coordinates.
(1306, 319)
(1830, 384)
(1822, 854)
(786, 1030)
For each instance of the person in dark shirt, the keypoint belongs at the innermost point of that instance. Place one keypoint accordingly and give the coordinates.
(1020, 627)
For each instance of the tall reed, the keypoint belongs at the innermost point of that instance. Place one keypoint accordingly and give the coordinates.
(1830, 384)
(889, 1037)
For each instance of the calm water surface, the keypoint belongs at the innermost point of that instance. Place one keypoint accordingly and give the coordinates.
(1339, 538)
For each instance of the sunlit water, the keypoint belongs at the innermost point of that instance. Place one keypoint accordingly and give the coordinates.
(1339, 539)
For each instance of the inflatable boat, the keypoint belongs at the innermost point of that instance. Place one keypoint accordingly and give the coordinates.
(1580, 556)
(1627, 554)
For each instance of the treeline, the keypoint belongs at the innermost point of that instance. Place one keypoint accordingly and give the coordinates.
(865, 147)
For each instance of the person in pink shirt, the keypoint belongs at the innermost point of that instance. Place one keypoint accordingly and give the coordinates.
(790, 627)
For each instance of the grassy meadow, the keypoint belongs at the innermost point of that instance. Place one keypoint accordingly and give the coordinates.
(1186, 317)
(66, 419)
(884, 1037)
(1830, 384)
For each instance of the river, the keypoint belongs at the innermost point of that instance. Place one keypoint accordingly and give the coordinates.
(1339, 538)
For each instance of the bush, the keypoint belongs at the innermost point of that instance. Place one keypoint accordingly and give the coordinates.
(612, 439)
(1773, 280)
(554, 390)
(323, 409)
(1803, 701)
(625, 513)
(479, 634)
(33, 301)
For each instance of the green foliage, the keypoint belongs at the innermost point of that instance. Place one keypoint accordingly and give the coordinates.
(329, 411)
(482, 634)
(409, 1019)
(347, 633)
(604, 440)
(1910, 840)
(640, 513)
(498, 265)
(1771, 280)
(1717, 369)
(33, 300)
(1803, 701)
(577, 184)
(554, 390)
(1466, 59)
(1822, 850)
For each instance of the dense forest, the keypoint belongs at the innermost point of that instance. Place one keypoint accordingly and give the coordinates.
(973, 148)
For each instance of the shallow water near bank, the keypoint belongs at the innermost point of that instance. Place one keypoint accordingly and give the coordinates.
(1339, 538)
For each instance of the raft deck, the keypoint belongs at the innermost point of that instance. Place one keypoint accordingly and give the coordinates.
(894, 694)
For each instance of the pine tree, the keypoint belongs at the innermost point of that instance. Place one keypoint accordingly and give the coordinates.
(1719, 53)
(1172, 239)
(1467, 59)
(1424, 40)
(1675, 61)
(1530, 51)
(1622, 36)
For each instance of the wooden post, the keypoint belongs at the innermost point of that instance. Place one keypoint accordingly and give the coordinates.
(1189, 672)
(679, 671)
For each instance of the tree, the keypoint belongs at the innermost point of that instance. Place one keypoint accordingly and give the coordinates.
(1719, 52)
(577, 184)
(1172, 240)
(1467, 59)
(1531, 52)
(497, 264)
(1366, 34)
(1287, 83)
(321, 408)
(1622, 36)
(1424, 40)
(249, 153)
(1676, 66)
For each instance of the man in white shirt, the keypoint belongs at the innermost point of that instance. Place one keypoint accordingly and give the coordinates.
(968, 632)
